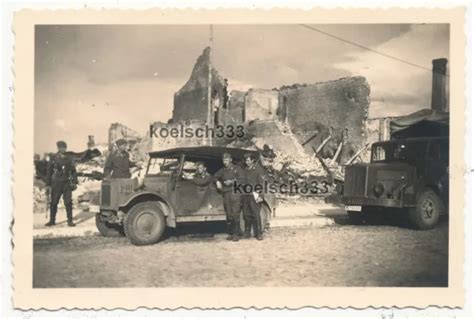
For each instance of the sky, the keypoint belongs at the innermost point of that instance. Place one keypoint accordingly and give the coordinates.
(89, 76)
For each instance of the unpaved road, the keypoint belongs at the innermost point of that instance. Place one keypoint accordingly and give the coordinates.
(340, 255)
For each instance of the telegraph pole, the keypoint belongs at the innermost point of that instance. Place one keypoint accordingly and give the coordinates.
(210, 115)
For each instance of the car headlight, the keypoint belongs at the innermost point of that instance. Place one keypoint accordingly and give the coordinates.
(379, 189)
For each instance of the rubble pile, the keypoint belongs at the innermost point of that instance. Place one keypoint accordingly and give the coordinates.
(39, 196)
(289, 161)
(302, 169)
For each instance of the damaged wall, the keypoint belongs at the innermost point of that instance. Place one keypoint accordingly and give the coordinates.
(317, 109)
(273, 133)
(118, 131)
(260, 104)
(233, 114)
(191, 101)
(164, 140)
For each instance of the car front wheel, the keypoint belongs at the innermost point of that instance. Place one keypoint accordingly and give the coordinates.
(427, 211)
(144, 224)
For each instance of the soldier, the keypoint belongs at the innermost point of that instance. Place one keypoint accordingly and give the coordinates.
(225, 179)
(61, 176)
(118, 163)
(253, 176)
(201, 177)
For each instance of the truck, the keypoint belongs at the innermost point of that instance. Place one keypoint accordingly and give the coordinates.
(405, 175)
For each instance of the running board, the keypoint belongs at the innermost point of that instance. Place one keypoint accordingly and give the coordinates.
(200, 218)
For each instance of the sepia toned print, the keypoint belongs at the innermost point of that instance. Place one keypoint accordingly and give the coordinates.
(267, 161)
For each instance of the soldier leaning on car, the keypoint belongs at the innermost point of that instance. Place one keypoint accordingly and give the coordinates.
(201, 177)
(61, 176)
(118, 163)
(225, 179)
(251, 202)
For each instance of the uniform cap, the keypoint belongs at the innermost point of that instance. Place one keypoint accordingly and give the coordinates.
(226, 155)
(248, 155)
(61, 144)
(120, 142)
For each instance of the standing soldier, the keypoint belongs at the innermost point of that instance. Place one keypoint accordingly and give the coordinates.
(62, 178)
(118, 163)
(225, 178)
(253, 176)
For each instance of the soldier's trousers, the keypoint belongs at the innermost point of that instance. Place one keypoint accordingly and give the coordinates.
(252, 214)
(232, 207)
(58, 189)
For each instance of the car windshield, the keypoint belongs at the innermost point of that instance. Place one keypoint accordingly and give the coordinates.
(406, 151)
(162, 166)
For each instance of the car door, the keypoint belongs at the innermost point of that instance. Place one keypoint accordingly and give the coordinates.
(188, 196)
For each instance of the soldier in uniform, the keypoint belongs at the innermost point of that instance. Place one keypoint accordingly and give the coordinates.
(61, 176)
(254, 176)
(201, 177)
(118, 163)
(225, 179)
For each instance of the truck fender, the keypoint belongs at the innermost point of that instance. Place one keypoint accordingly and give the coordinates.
(161, 200)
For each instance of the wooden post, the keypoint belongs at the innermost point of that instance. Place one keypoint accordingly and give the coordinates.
(357, 154)
(320, 147)
(210, 115)
(310, 139)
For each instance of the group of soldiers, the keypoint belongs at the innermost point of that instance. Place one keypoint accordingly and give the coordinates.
(62, 179)
(234, 201)
(61, 176)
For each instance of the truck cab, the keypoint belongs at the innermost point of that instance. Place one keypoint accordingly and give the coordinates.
(408, 174)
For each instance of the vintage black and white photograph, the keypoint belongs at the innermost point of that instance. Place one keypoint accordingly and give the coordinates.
(241, 155)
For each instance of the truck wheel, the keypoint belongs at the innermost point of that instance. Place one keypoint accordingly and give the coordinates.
(107, 229)
(144, 224)
(426, 213)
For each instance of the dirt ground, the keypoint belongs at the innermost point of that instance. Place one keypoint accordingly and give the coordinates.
(339, 255)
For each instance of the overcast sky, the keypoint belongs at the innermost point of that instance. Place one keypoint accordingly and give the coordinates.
(87, 77)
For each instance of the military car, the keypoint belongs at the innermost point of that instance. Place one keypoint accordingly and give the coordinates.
(142, 210)
(404, 175)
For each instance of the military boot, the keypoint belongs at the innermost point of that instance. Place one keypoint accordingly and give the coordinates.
(52, 216)
(229, 230)
(257, 230)
(70, 223)
(248, 228)
(236, 230)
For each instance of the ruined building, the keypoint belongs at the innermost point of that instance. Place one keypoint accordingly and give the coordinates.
(191, 101)
(118, 131)
(338, 108)
(311, 112)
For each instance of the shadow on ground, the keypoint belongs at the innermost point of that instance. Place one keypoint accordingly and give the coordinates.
(79, 218)
(387, 218)
(201, 230)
